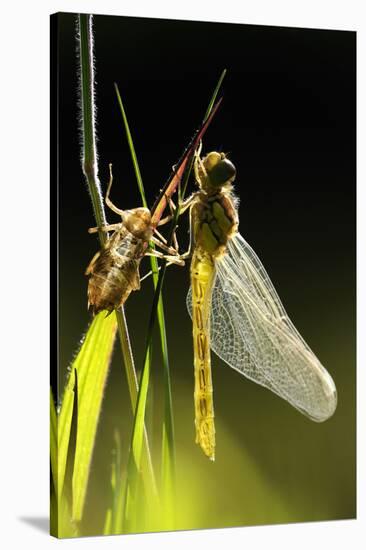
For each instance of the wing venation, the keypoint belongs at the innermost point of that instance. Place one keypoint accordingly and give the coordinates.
(252, 333)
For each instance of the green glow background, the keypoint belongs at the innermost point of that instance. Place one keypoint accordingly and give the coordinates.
(288, 120)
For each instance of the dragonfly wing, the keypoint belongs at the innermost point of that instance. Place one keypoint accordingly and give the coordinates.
(252, 333)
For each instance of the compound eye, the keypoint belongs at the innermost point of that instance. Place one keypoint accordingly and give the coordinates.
(211, 160)
(222, 172)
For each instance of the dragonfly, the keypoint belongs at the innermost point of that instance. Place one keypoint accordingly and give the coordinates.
(113, 272)
(237, 312)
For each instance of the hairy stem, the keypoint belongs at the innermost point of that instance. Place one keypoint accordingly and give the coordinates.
(90, 170)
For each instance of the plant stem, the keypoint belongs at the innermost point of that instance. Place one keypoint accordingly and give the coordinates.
(89, 160)
(90, 170)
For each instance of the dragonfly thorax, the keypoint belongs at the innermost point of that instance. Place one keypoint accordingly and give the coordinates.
(215, 221)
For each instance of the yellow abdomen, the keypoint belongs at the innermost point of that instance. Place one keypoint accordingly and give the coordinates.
(202, 277)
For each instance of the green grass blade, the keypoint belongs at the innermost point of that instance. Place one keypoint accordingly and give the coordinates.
(107, 529)
(214, 95)
(113, 519)
(132, 148)
(168, 458)
(92, 364)
(147, 466)
(93, 369)
(63, 434)
(134, 459)
(168, 439)
(117, 508)
(53, 442)
(67, 491)
(67, 527)
(133, 467)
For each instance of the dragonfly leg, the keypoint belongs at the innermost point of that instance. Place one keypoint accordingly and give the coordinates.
(175, 241)
(173, 259)
(163, 246)
(187, 203)
(188, 253)
(172, 208)
(149, 273)
(89, 269)
(165, 220)
(105, 228)
(199, 166)
(183, 206)
(162, 241)
(199, 149)
(160, 236)
(107, 199)
(174, 248)
(171, 204)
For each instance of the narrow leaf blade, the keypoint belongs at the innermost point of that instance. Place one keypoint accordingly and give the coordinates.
(92, 364)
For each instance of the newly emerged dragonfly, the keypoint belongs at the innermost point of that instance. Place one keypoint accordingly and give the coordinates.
(237, 313)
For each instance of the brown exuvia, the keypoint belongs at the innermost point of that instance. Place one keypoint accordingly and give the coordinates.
(114, 270)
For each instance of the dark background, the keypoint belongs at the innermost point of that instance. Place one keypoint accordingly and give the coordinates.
(288, 121)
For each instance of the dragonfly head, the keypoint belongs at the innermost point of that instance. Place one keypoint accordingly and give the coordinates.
(215, 171)
(138, 222)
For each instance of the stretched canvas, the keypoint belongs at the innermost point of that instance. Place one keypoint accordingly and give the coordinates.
(203, 206)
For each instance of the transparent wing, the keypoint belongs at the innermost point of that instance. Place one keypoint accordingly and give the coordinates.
(252, 333)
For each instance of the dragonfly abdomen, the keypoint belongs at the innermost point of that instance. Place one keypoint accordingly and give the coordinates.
(202, 276)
